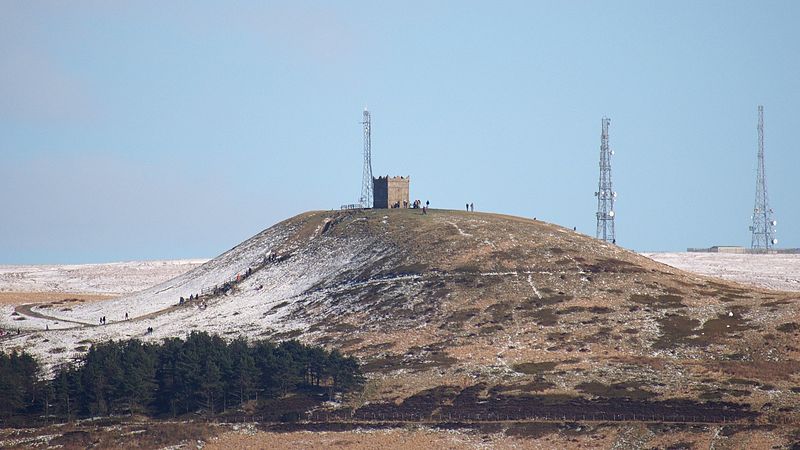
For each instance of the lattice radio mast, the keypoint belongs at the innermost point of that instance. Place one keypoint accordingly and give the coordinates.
(605, 191)
(763, 227)
(366, 181)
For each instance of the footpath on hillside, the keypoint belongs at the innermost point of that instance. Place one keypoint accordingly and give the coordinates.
(204, 295)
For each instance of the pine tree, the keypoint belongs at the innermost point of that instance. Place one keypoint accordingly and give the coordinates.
(263, 353)
(317, 358)
(244, 375)
(211, 385)
(189, 369)
(66, 390)
(345, 372)
(136, 388)
(166, 395)
(11, 396)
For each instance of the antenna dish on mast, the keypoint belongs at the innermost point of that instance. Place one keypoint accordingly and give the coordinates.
(605, 190)
(763, 227)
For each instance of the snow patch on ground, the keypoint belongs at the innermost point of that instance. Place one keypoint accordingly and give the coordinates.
(460, 231)
(110, 278)
(779, 272)
(535, 291)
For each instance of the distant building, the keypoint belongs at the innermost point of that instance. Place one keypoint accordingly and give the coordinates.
(743, 250)
(719, 249)
(390, 192)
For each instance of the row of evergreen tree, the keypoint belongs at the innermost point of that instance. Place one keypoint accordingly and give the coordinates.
(176, 376)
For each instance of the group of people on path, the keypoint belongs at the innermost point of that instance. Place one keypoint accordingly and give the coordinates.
(103, 320)
(418, 204)
(270, 257)
(242, 276)
(181, 300)
(470, 207)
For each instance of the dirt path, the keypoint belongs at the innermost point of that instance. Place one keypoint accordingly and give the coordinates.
(27, 310)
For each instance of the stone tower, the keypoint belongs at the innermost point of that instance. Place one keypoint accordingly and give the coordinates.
(391, 192)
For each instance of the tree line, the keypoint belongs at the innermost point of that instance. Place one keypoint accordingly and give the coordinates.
(200, 373)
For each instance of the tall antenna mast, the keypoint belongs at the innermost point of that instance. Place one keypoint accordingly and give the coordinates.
(605, 191)
(366, 181)
(763, 227)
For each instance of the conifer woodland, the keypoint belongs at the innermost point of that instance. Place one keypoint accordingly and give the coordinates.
(202, 373)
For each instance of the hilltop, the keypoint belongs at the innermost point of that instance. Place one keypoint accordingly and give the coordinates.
(484, 313)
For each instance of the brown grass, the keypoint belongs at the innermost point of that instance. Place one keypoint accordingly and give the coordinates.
(110, 434)
(517, 436)
(24, 298)
(363, 440)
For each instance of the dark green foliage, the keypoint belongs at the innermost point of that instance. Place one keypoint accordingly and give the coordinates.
(66, 389)
(242, 381)
(117, 377)
(18, 383)
(200, 373)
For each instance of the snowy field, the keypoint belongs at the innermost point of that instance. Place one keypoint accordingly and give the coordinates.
(275, 297)
(112, 278)
(779, 272)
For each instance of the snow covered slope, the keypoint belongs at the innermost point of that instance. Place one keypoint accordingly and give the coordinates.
(298, 257)
(110, 278)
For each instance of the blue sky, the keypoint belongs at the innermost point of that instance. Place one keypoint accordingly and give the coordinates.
(149, 130)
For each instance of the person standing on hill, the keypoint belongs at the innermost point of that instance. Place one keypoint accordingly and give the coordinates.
(472, 207)
(467, 207)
